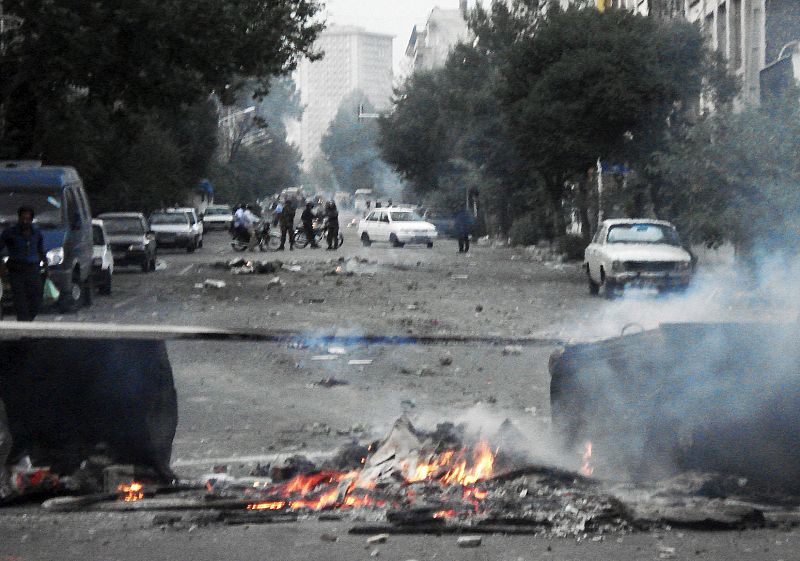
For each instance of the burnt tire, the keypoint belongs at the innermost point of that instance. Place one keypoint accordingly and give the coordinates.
(429, 245)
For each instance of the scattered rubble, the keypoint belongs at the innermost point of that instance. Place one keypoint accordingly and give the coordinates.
(380, 538)
(275, 282)
(330, 383)
(214, 283)
(469, 541)
(446, 359)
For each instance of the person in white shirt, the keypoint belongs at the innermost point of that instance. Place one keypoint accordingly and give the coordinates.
(249, 220)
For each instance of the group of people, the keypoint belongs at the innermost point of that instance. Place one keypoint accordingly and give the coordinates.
(283, 215)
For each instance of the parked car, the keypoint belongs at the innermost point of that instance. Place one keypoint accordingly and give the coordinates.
(102, 258)
(194, 220)
(62, 213)
(132, 242)
(218, 216)
(397, 226)
(173, 229)
(636, 253)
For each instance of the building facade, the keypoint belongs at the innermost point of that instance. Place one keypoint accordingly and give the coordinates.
(355, 59)
(430, 44)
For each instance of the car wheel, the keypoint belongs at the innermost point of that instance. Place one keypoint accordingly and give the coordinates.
(71, 295)
(105, 287)
(594, 288)
(430, 245)
(365, 241)
(191, 247)
(300, 239)
(394, 241)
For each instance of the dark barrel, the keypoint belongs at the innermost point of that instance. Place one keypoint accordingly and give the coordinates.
(66, 397)
(712, 397)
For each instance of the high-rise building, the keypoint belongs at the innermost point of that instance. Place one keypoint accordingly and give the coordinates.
(430, 44)
(355, 59)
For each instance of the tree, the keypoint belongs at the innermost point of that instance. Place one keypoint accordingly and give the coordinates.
(587, 82)
(351, 146)
(736, 177)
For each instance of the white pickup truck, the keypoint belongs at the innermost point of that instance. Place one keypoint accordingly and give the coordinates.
(636, 253)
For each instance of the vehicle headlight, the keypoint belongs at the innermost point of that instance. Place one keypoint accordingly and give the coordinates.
(617, 266)
(136, 247)
(55, 256)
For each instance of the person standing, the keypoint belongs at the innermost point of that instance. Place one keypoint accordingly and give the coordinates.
(249, 223)
(25, 245)
(332, 218)
(463, 223)
(287, 224)
(307, 218)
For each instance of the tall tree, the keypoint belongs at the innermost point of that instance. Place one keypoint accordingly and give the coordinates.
(351, 146)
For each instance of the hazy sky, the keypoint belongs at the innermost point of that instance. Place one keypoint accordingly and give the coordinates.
(395, 17)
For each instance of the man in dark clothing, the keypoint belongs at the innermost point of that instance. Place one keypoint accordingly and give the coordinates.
(307, 218)
(332, 217)
(287, 223)
(25, 245)
(463, 225)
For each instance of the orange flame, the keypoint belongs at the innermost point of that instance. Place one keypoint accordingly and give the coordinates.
(132, 490)
(587, 468)
(330, 489)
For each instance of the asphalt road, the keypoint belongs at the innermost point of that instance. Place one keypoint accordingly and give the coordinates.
(244, 402)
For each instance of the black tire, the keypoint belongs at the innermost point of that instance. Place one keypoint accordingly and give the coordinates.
(191, 247)
(71, 295)
(429, 244)
(365, 241)
(594, 288)
(105, 286)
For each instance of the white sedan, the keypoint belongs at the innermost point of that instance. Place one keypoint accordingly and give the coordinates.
(637, 253)
(397, 226)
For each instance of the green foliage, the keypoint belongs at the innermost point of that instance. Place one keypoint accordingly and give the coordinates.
(351, 146)
(120, 89)
(571, 247)
(526, 109)
(736, 177)
(526, 230)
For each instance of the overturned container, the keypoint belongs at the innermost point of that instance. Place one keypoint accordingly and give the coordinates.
(72, 390)
(711, 397)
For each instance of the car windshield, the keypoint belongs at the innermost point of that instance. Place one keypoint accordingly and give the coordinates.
(218, 212)
(45, 203)
(116, 226)
(405, 216)
(97, 235)
(644, 233)
(169, 218)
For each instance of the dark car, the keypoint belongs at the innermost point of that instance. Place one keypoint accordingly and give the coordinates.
(62, 213)
(132, 242)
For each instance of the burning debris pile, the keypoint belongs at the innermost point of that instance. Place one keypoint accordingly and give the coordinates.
(445, 482)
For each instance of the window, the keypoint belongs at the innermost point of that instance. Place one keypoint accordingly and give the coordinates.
(73, 211)
(384, 217)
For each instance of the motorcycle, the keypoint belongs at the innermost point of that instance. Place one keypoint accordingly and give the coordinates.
(241, 237)
(320, 235)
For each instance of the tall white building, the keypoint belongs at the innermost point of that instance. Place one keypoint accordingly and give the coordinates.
(355, 59)
(430, 44)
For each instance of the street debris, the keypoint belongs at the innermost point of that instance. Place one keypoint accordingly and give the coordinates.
(330, 383)
(359, 361)
(337, 350)
(324, 357)
(214, 283)
(512, 350)
(469, 541)
(377, 539)
(275, 282)
(329, 538)
(446, 359)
